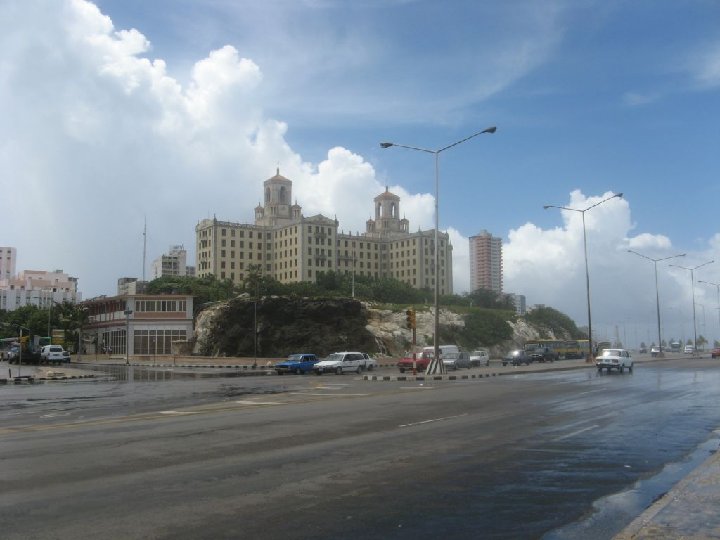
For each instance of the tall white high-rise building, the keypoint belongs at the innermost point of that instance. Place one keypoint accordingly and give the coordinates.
(486, 267)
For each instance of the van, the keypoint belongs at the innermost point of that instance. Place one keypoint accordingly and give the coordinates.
(444, 349)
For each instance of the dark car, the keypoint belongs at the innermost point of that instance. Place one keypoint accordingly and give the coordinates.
(542, 354)
(715, 352)
(297, 363)
(516, 358)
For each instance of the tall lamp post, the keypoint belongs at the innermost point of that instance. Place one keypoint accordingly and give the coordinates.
(692, 287)
(127, 313)
(717, 286)
(657, 293)
(436, 365)
(587, 271)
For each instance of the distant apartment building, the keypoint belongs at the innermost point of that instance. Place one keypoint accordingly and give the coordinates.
(8, 258)
(37, 288)
(172, 263)
(131, 285)
(486, 267)
(290, 247)
(520, 303)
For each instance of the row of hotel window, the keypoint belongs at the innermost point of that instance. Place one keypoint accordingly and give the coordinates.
(318, 251)
(320, 241)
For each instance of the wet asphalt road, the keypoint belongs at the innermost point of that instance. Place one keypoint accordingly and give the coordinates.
(554, 455)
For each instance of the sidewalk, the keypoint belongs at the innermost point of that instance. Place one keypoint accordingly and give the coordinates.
(690, 510)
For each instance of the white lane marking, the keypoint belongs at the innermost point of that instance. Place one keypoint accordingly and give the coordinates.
(248, 402)
(322, 394)
(178, 413)
(432, 420)
(578, 432)
(417, 388)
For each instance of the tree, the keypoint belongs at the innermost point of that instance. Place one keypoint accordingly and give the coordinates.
(555, 321)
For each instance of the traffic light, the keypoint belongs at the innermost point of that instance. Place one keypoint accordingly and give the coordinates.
(410, 318)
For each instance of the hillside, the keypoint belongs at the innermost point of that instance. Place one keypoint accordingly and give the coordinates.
(323, 325)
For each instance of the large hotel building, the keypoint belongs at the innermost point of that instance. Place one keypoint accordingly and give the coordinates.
(291, 248)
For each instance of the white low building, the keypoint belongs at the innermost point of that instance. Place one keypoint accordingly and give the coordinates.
(38, 288)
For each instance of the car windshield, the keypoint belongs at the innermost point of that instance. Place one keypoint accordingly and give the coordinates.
(450, 356)
(515, 353)
(611, 352)
(294, 358)
(334, 357)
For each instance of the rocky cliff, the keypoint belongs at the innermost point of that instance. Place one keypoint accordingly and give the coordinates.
(285, 325)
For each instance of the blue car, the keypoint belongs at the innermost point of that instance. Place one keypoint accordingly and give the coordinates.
(297, 363)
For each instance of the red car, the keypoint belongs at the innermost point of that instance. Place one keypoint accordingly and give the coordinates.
(421, 363)
(715, 352)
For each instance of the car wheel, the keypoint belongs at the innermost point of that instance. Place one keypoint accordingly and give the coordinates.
(600, 370)
(630, 368)
(358, 370)
(318, 372)
(402, 370)
(298, 371)
(622, 369)
(338, 371)
(370, 367)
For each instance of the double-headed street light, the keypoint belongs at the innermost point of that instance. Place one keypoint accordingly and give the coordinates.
(717, 286)
(436, 365)
(587, 271)
(657, 293)
(692, 287)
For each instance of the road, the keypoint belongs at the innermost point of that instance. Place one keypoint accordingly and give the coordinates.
(556, 455)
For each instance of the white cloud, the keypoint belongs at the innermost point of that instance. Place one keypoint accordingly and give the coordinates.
(706, 66)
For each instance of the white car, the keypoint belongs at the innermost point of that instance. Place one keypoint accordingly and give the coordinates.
(370, 362)
(689, 349)
(479, 358)
(54, 354)
(610, 359)
(340, 362)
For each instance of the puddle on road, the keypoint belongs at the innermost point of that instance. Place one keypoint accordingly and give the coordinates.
(613, 513)
(120, 373)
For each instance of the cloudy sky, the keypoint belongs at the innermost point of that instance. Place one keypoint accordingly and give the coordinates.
(171, 111)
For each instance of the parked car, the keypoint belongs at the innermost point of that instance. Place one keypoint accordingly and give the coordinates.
(370, 362)
(618, 359)
(420, 362)
(715, 352)
(516, 358)
(340, 362)
(297, 363)
(689, 349)
(654, 351)
(479, 358)
(456, 360)
(54, 354)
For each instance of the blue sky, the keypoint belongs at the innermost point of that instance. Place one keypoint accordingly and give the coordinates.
(178, 110)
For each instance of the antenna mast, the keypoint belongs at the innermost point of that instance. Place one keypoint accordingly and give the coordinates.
(144, 247)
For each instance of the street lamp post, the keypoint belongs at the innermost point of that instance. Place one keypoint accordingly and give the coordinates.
(657, 293)
(587, 271)
(692, 288)
(717, 286)
(436, 365)
(127, 313)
